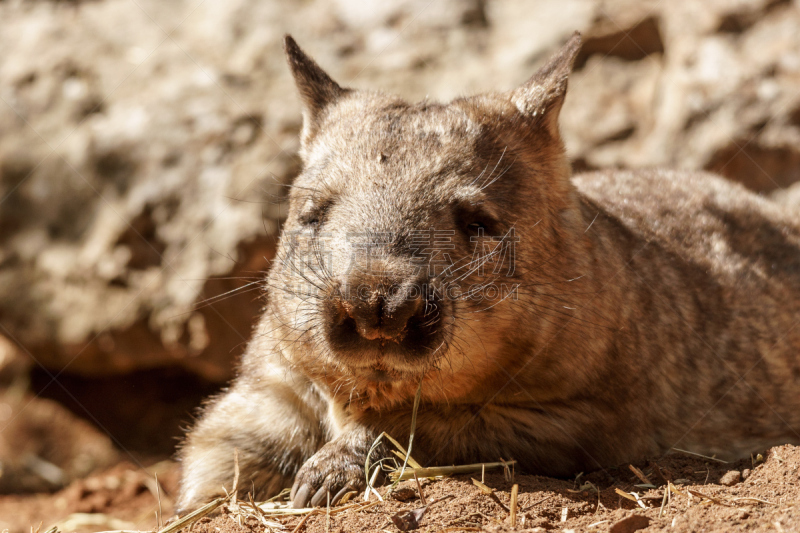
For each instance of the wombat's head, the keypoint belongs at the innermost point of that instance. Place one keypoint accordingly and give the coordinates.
(412, 226)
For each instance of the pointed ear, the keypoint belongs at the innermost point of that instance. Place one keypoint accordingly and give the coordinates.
(317, 89)
(543, 94)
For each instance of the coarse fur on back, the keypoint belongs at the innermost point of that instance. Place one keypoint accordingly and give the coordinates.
(570, 323)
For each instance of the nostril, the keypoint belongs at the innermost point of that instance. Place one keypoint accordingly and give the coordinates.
(349, 326)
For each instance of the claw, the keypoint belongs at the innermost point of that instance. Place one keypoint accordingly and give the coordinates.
(294, 489)
(301, 497)
(320, 497)
(339, 495)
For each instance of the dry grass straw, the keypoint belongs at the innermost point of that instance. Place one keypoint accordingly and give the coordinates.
(700, 455)
(193, 517)
(264, 511)
(441, 471)
(664, 501)
(261, 516)
(403, 453)
(160, 515)
(537, 502)
(235, 475)
(514, 494)
(301, 523)
(482, 486)
(490, 492)
(711, 499)
(632, 496)
(705, 499)
(86, 520)
(417, 398)
(421, 492)
(757, 500)
(328, 514)
(371, 486)
(638, 473)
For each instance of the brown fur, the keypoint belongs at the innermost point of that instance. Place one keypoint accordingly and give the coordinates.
(654, 309)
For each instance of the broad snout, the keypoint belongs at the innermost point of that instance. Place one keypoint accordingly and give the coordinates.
(378, 301)
(380, 306)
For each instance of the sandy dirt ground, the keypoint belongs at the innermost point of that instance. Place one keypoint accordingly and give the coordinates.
(758, 494)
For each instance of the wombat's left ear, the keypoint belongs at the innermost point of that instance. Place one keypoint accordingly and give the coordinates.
(542, 96)
(317, 89)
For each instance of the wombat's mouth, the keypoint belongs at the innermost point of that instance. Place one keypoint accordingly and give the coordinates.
(379, 374)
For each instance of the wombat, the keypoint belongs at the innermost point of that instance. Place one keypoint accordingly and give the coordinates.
(568, 323)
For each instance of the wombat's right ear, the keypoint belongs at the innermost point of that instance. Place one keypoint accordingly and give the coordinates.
(317, 89)
(541, 97)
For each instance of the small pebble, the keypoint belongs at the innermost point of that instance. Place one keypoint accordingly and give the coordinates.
(403, 494)
(732, 477)
(746, 473)
(630, 524)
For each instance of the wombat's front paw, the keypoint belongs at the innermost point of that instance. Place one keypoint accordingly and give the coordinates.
(338, 467)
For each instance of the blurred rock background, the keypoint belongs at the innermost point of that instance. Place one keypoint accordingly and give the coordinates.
(145, 148)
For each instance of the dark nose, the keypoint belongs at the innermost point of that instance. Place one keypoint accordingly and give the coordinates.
(381, 311)
(379, 303)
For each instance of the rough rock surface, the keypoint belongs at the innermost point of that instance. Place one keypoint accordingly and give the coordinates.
(145, 146)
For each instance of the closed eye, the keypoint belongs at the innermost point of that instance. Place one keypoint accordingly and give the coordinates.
(316, 215)
(472, 220)
(477, 227)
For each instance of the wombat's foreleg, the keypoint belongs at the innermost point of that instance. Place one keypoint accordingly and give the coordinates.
(273, 422)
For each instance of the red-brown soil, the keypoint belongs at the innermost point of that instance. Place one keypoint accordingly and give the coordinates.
(123, 497)
(768, 499)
